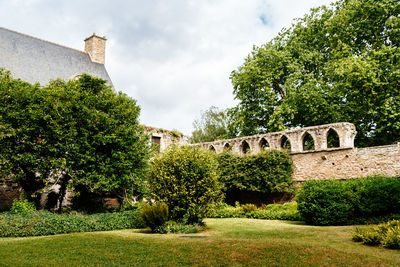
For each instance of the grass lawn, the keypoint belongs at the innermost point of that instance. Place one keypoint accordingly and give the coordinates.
(228, 242)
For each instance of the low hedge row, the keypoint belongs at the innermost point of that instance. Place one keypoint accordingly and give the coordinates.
(333, 202)
(286, 211)
(41, 223)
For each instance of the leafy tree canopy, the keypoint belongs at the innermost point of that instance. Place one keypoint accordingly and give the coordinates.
(212, 125)
(79, 132)
(337, 63)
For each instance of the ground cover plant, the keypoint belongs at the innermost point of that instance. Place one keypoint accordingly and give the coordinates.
(287, 211)
(40, 223)
(227, 242)
(333, 202)
(385, 234)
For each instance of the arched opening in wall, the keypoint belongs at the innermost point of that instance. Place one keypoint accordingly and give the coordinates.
(245, 147)
(308, 142)
(212, 148)
(264, 144)
(285, 143)
(227, 147)
(332, 139)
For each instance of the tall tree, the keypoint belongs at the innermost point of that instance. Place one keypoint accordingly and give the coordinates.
(337, 63)
(212, 125)
(75, 133)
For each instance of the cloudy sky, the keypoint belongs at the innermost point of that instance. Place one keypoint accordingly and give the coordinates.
(174, 57)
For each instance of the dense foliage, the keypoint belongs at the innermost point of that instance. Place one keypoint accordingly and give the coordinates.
(212, 125)
(332, 202)
(385, 234)
(267, 172)
(185, 178)
(46, 223)
(338, 63)
(75, 133)
(287, 211)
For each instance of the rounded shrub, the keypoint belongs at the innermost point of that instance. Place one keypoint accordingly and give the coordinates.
(185, 178)
(377, 195)
(326, 202)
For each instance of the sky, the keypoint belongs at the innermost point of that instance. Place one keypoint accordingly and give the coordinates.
(174, 57)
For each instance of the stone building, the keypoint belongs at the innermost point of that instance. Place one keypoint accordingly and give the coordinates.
(35, 60)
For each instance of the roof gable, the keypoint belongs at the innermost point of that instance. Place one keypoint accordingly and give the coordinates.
(35, 60)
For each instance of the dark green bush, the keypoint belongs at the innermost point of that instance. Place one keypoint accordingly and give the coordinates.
(326, 202)
(41, 223)
(267, 172)
(185, 178)
(332, 202)
(154, 215)
(377, 196)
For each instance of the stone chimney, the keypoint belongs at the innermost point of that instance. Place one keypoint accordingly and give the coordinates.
(95, 46)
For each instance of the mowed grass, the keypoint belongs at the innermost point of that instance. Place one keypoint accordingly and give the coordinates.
(228, 242)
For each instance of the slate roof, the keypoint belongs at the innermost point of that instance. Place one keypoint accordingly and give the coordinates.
(36, 60)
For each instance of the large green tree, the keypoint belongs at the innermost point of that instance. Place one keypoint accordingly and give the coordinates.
(337, 63)
(75, 133)
(212, 125)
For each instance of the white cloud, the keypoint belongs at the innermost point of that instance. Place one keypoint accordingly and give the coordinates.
(174, 57)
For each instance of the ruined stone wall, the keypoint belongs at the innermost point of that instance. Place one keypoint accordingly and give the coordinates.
(322, 161)
(347, 163)
(345, 132)
(166, 138)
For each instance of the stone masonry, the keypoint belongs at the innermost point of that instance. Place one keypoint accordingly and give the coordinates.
(95, 46)
(347, 163)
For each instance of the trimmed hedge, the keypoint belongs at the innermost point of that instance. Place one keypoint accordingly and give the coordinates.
(267, 172)
(41, 223)
(287, 211)
(333, 202)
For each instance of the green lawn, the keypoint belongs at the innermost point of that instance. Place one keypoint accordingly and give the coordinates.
(228, 242)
